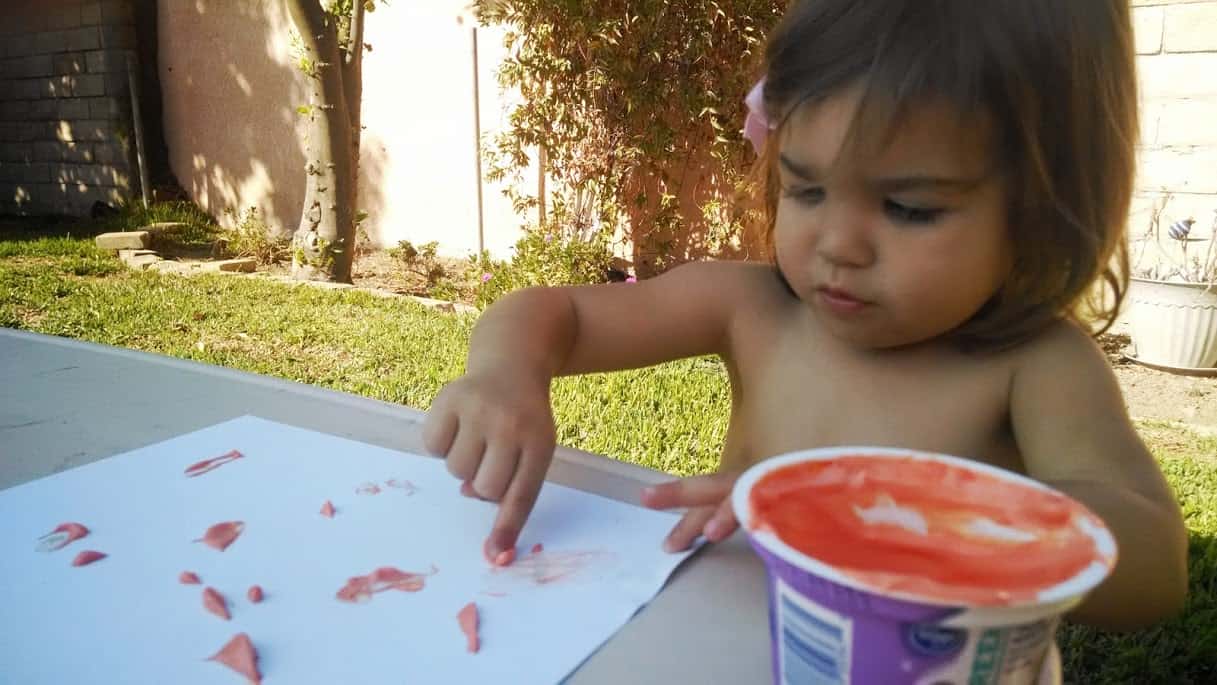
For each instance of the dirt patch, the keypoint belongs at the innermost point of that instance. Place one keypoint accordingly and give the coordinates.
(381, 271)
(1160, 395)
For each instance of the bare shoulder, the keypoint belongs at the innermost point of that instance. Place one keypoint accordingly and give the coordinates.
(1069, 417)
(690, 310)
(753, 295)
(1064, 368)
(738, 281)
(1063, 345)
(731, 290)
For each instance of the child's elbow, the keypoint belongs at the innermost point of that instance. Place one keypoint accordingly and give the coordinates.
(1162, 600)
(1175, 593)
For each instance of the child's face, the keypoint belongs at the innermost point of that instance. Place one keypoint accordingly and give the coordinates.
(897, 247)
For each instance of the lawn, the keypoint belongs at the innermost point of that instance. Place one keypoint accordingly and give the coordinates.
(671, 417)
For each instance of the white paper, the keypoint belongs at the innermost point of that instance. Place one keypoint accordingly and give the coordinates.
(127, 619)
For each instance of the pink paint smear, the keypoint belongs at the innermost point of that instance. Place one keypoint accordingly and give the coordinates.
(370, 488)
(239, 655)
(361, 588)
(221, 535)
(214, 602)
(87, 557)
(405, 486)
(199, 468)
(467, 618)
(63, 535)
(543, 567)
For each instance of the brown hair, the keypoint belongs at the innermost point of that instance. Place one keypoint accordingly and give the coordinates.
(1057, 80)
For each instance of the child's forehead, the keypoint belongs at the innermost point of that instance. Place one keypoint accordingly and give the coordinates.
(845, 131)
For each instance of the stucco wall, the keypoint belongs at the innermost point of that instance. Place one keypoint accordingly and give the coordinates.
(1177, 65)
(235, 139)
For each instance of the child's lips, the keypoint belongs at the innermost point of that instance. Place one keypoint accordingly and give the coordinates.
(840, 301)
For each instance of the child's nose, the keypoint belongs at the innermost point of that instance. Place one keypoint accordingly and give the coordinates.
(845, 240)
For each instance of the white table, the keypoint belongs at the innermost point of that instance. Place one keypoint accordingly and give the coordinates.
(66, 403)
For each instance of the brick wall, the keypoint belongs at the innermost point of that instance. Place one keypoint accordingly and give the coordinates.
(1177, 64)
(65, 124)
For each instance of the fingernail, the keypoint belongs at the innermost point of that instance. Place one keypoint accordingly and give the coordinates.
(713, 529)
(505, 557)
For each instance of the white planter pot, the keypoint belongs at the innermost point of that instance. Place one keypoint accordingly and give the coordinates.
(1173, 325)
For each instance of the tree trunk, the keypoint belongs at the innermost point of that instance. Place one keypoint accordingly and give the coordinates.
(323, 246)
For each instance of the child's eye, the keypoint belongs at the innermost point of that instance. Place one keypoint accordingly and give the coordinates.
(911, 215)
(805, 196)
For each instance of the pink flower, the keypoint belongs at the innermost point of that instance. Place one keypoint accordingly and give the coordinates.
(485, 277)
(757, 125)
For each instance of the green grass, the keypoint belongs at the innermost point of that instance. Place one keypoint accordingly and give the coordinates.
(672, 417)
(197, 230)
(1182, 651)
(393, 350)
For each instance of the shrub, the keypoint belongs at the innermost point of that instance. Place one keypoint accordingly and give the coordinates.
(622, 100)
(422, 262)
(249, 236)
(542, 257)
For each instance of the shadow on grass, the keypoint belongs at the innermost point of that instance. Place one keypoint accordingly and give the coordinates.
(29, 229)
(192, 233)
(1181, 651)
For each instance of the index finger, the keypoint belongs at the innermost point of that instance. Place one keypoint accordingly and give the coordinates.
(516, 505)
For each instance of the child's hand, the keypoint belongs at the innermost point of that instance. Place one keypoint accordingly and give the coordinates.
(708, 499)
(496, 432)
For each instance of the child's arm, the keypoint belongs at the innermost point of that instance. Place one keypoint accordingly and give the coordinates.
(1074, 433)
(494, 425)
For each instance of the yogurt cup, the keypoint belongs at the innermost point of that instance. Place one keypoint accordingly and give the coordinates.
(897, 566)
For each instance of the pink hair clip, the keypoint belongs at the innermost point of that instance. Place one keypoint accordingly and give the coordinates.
(756, 125)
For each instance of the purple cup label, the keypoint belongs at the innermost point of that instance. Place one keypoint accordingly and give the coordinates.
(816, 643)
(927, 639)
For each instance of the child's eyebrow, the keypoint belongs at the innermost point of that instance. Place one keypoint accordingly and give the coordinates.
(892, 184)
(918, 182)
(802, 171)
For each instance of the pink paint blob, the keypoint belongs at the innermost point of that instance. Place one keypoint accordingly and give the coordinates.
(188, 578)
(537, 548)
(254, 594)
(221, 535)
(199, 468)
(361, 588)
(467, 618)
(327, 510)
(87, 557)
(214, 602)
(63, 535)
(239, 655)
(368, 489)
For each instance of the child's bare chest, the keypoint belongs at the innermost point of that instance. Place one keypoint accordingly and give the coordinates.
(792, 398)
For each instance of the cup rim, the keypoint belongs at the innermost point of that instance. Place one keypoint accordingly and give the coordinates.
(1056, 598)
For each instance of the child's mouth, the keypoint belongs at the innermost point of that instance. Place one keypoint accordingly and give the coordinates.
(840, 301)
